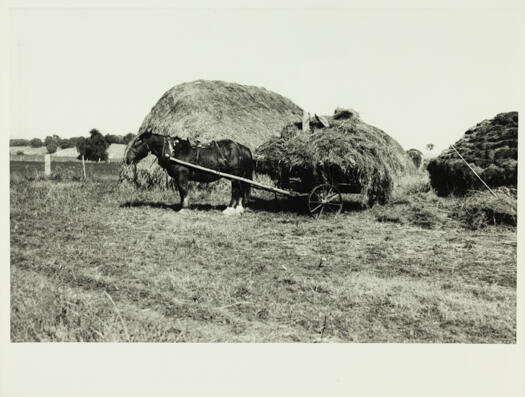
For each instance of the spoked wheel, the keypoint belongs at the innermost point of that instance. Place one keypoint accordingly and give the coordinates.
(325, 199)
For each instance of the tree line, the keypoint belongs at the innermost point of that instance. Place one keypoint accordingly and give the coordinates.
(92, 148)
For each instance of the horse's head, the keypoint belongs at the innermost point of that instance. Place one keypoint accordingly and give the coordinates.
(139, 148)
(145, 143)
(159, 145)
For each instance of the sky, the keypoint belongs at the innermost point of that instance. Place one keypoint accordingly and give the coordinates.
(422, 75)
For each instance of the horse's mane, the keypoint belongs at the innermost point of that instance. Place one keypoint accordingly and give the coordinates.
(183, 143)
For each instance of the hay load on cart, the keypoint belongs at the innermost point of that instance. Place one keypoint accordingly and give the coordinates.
(340, 151)
(490, 148)
(211, 110)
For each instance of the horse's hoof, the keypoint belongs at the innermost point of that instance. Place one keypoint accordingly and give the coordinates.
(239, 210)
(183, 211)
(229, 211)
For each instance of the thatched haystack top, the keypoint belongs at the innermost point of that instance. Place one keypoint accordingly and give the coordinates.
(207, 110)
(490, 147)
(349, 152)
(210, 110)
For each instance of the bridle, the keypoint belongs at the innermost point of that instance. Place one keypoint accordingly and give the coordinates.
(144, 143)
(165, 140)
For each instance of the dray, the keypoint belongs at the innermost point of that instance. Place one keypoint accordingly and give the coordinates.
(324, 198)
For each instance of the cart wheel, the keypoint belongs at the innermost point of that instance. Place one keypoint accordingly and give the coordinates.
(325, 199)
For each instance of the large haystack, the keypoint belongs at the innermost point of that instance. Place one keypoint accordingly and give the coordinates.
(348, 151)
(209, 110)
(491, 148)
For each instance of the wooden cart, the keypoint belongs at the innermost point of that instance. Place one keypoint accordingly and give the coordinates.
(321, 199)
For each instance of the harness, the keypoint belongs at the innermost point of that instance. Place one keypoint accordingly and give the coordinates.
(168, 141)
(220, 151)
(170, 146)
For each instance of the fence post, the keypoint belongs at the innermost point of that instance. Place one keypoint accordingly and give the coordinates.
(83, 167)
(47, 165)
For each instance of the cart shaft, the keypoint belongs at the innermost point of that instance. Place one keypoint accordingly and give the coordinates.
(233, 177)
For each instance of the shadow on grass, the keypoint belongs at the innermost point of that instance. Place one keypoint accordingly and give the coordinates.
(297, 206)
(151, 204)
(173, 207)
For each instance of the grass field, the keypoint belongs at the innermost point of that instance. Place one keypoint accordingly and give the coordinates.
(115, 152)
(63, 169)
(95, 261)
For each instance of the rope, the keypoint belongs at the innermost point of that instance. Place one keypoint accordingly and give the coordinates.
(472, 169)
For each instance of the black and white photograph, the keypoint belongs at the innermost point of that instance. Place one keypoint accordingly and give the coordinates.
(281, 175)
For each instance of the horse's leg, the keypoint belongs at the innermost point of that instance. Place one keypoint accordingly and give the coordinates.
(180, 194)
(182, 183)
(245, 188)
(244, 192)
(235, 194)
(240, 194)
(233, 202)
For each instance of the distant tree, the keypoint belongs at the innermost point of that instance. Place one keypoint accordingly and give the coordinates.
(35, 142)
(51, 147)
(127, 138)
(430, 146)
(52, 139)
(18, 142)
(65, 143)
(81, 144)
(93, 148)
(110, 138)
(74, 140)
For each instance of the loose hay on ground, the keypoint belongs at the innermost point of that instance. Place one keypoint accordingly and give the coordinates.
(480, 209)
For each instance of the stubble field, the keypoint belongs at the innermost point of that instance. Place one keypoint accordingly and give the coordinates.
(96, 261)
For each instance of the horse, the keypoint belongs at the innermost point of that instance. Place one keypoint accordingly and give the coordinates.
(223, 155)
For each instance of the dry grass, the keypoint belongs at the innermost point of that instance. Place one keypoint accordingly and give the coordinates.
(416, 203)
(481, 208)
(120, 264)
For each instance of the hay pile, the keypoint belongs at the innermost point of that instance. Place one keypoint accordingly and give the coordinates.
(208, 110)
(349, 152)
(491, 148)
(416, 156)
(481, 208)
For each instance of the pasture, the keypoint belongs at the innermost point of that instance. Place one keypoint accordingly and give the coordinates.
(98, 261)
